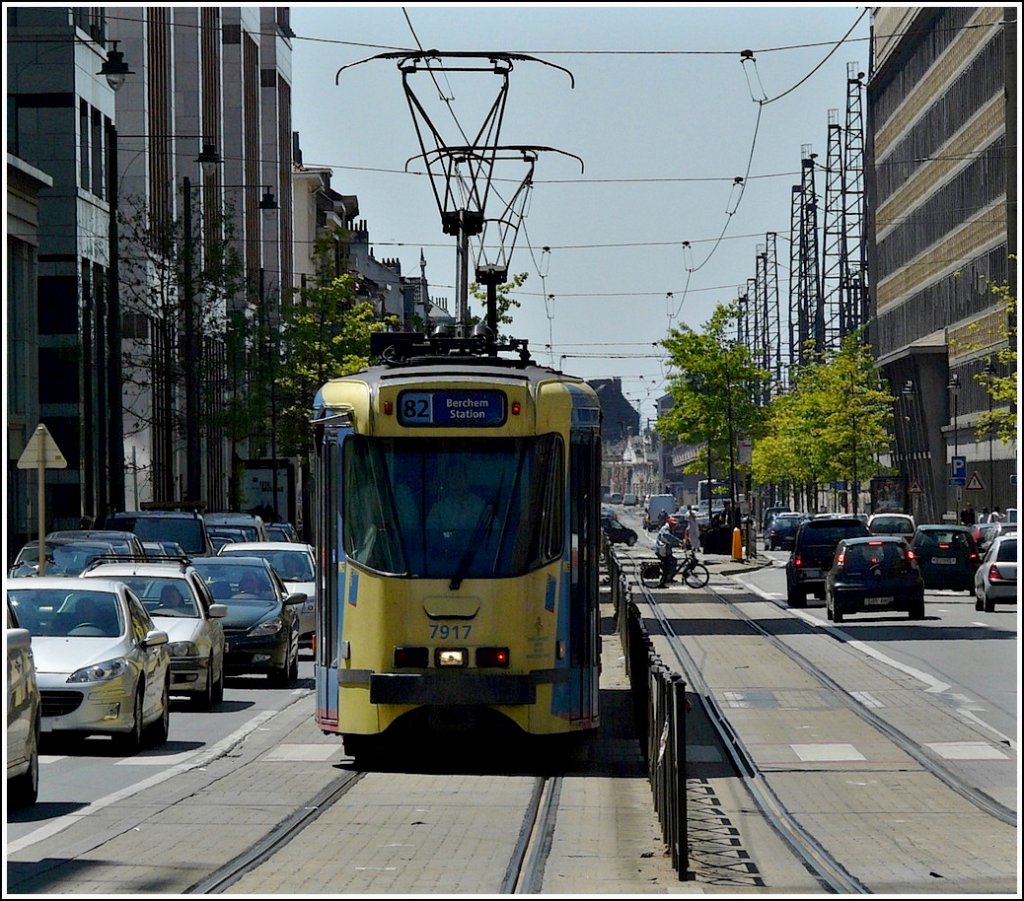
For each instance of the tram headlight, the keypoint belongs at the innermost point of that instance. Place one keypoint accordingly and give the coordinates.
(445, 657)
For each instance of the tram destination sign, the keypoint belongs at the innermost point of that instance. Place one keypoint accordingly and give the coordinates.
(453, 408)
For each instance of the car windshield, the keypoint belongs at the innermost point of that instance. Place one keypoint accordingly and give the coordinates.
(828, 535)
(943, 539)
(167, 596)
(186, 531)
(891, 524)
(1007, 552)
(68, 559)
(63, 613)
(231, 584)
(864, 557)
(291, 566)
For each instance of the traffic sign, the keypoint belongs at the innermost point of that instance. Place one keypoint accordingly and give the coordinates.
(915, 487)
(974, 483)
(958, 467)
(42, 451)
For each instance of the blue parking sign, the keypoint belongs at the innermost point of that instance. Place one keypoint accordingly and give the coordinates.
(958, 467)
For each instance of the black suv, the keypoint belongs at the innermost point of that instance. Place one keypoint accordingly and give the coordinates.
(183, 526)
(813, 550)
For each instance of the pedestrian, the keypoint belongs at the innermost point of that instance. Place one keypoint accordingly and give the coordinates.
(996, 515)
(693, 529)
(967, 516)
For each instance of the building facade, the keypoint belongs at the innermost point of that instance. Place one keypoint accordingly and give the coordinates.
(942, 201)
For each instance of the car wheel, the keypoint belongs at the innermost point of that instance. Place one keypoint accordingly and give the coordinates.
(978, 603)
(293, 670)
(131, 742)
(204, 699)
(279, 677)
(795, 597)
(218, 688)
(829, 613)
(160, 728)
(989, 605)
(917, 609)
(23, 790)
(631, 540)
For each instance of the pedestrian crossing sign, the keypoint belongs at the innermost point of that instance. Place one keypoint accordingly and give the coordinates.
(974, 483)
(915, 487)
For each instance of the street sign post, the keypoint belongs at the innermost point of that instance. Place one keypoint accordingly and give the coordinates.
(958, 471)
(42, 453)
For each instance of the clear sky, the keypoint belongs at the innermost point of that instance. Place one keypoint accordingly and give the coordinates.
(665, 114)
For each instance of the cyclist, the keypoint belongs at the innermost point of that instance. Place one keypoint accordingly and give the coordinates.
(663, 544)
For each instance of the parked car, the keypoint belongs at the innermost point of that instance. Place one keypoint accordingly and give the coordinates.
(24, 715)
(782, 530)
(250, 525)
(179, 602)
(295, 564)
(983, 533)
(615, 498)
(892, 524)
(616, 532)
(947, 555)
(64, 557)
(630, 500)
(280, 531)
(123, 543)
(814, 548)
(186, 527)
(995, 580)
(101, 663)
(766, 519)
(261, 628)
(876, 573)
(163, 549)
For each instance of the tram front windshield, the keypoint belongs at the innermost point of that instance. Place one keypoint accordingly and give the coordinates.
(453, 508)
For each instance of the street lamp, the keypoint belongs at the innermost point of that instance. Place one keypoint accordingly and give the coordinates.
(208, 159)
(115, 70)
(954, 386)
(990, 372)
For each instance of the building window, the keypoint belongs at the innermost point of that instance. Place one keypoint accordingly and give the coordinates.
(84, 133)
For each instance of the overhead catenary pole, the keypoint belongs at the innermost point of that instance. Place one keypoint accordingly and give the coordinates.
(193, 486)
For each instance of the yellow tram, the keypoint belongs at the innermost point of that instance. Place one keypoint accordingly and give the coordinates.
(457, 506)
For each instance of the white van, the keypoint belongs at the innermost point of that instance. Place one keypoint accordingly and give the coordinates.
(658, 504)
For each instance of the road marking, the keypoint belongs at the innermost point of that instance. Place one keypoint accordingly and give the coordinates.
(866, 698)
(934, 685)
(966, 714)
(965, 750)
(199, 760)
(819, 753)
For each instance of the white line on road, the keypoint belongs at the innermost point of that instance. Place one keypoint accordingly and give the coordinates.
(199, 760)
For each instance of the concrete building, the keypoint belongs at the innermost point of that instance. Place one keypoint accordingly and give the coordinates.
(21, 345)
(942, 201)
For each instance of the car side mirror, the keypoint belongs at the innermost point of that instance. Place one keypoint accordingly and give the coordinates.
(218, 611)
(298, 597)
(154, 639)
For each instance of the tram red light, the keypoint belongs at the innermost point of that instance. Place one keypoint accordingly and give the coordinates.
(517, 408)
(492, 657)
(412, 657)
(388, 407)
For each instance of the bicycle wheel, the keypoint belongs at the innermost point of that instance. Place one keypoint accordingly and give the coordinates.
(650, 574)
(697, 576)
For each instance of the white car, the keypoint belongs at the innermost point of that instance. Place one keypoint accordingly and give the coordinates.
(995, 580)
(892, 524)
(101, 664)
(179, 601)
(23, 716)
(294, 562)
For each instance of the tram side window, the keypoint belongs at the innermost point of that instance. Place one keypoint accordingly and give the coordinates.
(370, 532)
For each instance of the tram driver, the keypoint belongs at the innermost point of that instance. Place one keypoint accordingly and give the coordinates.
(457, 512)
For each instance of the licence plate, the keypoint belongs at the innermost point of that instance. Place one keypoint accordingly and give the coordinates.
(812, 573)
(876, 602)
(945, 561)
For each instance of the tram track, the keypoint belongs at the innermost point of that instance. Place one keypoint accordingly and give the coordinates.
(523, 874)
(828, 870)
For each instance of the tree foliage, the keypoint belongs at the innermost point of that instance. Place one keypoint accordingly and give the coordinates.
(504, 302)
(831, 425)
(714, 387)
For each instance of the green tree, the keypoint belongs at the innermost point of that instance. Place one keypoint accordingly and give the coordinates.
(713, 388)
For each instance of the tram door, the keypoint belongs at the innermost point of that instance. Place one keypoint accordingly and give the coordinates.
(328, 477)
(584, 614)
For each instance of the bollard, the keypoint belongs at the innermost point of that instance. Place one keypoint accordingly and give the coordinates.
(737, 544)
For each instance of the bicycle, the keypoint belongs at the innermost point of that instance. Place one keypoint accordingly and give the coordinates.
(693, 572)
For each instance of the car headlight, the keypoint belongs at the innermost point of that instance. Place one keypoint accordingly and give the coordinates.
(100, 672)
(270, 627)
(183, 649)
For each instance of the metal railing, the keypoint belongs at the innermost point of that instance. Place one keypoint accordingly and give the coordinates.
(659, 718)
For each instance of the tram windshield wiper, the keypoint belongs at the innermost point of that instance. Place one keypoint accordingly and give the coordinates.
(472, 546)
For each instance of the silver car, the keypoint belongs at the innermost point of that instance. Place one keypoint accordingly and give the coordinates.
(294, 563)
(101, 663)
(179, 601)
(23, 715)
(995, 579)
